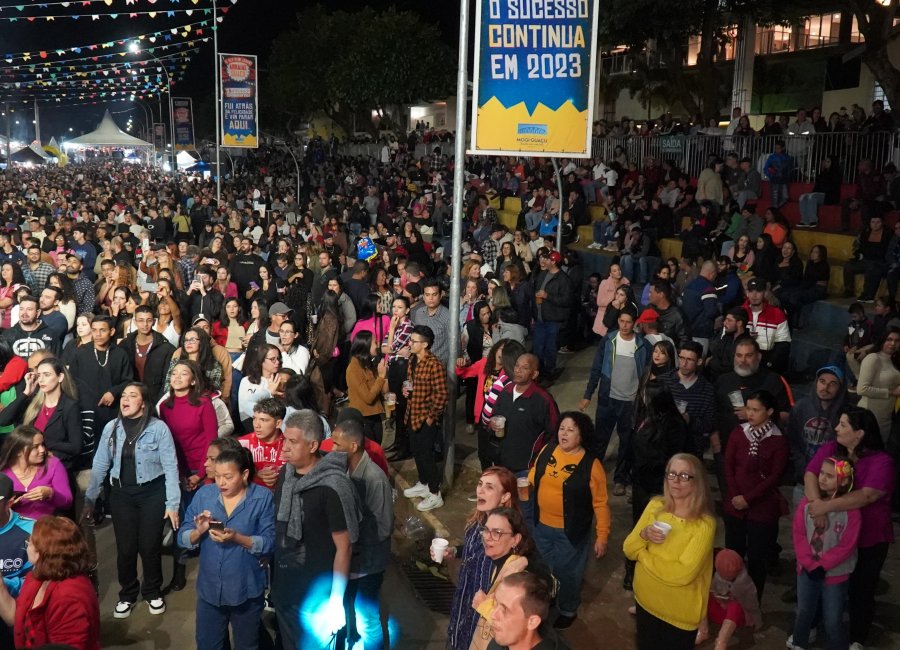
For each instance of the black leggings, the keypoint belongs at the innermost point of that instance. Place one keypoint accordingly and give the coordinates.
(655, 634)
(863, 581)
(754, 540)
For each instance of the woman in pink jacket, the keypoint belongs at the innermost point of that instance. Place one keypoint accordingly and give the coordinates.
(605, 294)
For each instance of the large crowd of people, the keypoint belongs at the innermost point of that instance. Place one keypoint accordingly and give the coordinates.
(218, 378)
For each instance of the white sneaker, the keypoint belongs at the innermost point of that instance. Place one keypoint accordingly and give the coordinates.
(431, 502)
(417, 490)
(123, 609)
(157, 606)
(856, 645)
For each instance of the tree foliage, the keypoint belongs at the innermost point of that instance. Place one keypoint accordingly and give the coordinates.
(339, 62)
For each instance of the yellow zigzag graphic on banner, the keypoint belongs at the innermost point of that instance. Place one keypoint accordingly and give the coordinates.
(498, 128)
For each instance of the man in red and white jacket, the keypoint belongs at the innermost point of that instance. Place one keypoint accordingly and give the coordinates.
(768, 325)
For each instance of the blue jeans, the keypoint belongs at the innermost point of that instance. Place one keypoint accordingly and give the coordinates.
(630, 263)
(544, 344)
(778, 193)
(810, 594)
(809, 206)
(213, 622)
(603, 232)
(618, 415)
(567, 563)
(362, 602)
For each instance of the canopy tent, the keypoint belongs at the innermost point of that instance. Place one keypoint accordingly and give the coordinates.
(36, 148)
(27, 155)
(185, 159)
(107, 134)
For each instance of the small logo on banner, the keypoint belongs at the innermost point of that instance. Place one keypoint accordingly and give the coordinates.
(532, 129)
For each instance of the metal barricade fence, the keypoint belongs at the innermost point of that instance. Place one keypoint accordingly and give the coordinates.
(691, 153)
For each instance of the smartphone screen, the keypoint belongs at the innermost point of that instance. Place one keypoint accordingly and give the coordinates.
(216, 525)
(254, 286)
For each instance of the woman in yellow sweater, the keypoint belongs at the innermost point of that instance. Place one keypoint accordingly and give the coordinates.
(569, 493)
(366, 381)
(673, 547)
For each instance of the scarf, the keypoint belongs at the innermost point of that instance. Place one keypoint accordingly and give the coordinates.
(330, 472)
(757, 434)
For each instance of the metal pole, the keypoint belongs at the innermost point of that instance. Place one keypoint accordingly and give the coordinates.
(558, 216)
(459, 155)
(219, 113)
(6, 110)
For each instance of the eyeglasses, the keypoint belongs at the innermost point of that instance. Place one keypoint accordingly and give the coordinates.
(493, 534)
(193, 339)
(681, 477)
(274, 359)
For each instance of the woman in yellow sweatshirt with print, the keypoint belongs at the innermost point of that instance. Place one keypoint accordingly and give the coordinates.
(672, 544)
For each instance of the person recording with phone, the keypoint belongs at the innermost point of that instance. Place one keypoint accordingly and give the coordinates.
(232, 522)
(202, 294)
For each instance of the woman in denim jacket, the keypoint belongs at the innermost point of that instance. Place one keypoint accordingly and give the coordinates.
(138, 453)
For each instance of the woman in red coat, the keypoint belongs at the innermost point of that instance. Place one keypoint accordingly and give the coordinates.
(57, 603)
(755, 459)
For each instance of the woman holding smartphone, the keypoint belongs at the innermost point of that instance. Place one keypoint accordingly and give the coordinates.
(138, 454)
(233, 523)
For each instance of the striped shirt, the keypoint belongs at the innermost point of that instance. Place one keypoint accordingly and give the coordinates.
(439, 322)
(491, 393)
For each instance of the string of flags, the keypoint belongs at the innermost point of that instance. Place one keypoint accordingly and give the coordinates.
(113, 15)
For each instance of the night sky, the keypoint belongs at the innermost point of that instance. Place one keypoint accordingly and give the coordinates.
(248, 28)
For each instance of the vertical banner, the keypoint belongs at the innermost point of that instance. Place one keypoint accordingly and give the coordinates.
(184, 123)
(533, 90)
(240, 106)
(159, 136)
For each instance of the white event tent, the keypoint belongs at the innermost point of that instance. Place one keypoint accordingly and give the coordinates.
(107, 134)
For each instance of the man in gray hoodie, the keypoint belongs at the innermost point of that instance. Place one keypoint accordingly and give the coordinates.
(812, 421)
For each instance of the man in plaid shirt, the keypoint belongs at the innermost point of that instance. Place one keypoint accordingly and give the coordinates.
(424, 410)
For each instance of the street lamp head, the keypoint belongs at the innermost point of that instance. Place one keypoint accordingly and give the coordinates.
(133, 47)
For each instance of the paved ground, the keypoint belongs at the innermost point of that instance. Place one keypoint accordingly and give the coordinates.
(603, 620)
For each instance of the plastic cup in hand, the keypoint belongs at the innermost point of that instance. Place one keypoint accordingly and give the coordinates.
(498, 425)
(439, 548)
(390, 398)
(524, 488)
(736, 398)
(408, 385)
(662, 527)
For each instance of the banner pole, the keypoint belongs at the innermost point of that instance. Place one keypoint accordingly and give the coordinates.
(218, 106)
(459, 163)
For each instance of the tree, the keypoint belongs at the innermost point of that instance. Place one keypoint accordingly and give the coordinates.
(341, 62)
(876, 24)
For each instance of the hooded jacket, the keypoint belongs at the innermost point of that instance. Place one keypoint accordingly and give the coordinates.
(810, 426)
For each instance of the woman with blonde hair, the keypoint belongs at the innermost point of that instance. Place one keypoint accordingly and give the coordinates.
(672, 544)
(49, 403)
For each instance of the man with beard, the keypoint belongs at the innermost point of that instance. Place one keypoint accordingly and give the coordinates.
(37, 271)
(30, 334)
(813, 419)
(721, 347)
(203, 297)
(84, 286)
(245, 266)
(732, 391)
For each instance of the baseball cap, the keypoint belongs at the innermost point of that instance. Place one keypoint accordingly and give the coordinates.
(831, 370)
(198, 318)
(555, 257)
(279, 308)
(756, 284)
(647, 316)
(6, 487)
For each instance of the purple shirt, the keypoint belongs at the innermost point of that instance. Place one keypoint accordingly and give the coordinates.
(53, 475)
(874, 470)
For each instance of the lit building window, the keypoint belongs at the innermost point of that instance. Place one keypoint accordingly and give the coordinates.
(879, 94)
(774, 39)
(821, 31)
(855, 35)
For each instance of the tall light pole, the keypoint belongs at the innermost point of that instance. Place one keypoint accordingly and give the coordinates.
(282, 143)
(218, 98)
(135, 48)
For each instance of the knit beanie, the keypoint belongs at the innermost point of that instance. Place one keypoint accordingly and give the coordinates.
(729, 564)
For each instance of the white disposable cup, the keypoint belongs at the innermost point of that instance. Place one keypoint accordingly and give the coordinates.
(736, 398)
(438, 548)
(662, 527)
(408, 385)
(498, 424)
